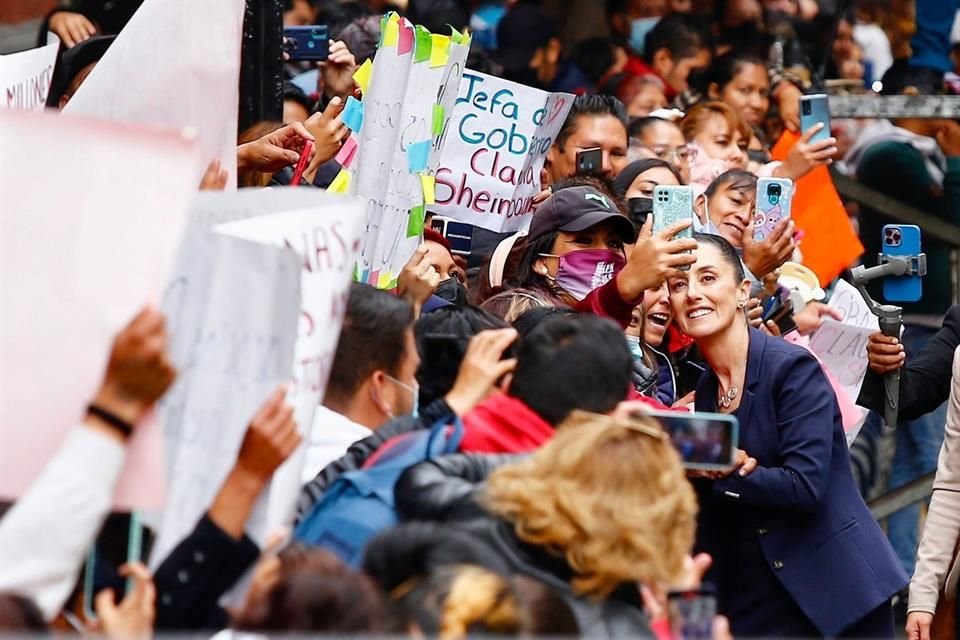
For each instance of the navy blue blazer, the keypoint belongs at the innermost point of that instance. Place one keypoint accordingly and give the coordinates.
(801, 503)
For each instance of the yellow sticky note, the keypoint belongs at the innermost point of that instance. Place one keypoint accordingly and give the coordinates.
(385, 279)
(392, 36)
(341, 183)
(362, 75)
(429, 188)
(440, 52)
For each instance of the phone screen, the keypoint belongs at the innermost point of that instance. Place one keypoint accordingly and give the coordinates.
(692, 613)
(703, 440)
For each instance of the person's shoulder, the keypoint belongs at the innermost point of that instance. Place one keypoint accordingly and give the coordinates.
(779, 355)
(887, 153)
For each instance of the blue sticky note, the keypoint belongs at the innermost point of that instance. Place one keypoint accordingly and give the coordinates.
(352, 114)
(417, 155)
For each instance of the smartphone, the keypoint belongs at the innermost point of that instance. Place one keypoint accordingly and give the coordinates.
(302, 163)
(774, 203)
(590, 162)
(813, 109)
(706, 441)
(691, 613)
(671, 204)
(458, 234)
(121, 540)
(902, 240)
(307, 43)
(638, 209)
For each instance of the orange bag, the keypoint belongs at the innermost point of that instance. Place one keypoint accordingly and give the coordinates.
(829, 244)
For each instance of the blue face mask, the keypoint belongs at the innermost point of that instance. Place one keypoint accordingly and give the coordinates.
(639, 29)
(635, 349)
(414, 391)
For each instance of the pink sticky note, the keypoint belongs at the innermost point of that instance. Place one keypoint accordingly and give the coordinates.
(347, 152)
(405, 43)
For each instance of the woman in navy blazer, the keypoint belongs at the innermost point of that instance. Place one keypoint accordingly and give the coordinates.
(796, 551)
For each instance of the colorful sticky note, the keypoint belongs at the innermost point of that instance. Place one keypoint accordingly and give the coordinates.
(439, 51)
(392, 35)
(405, 42)
(362, 75)
(456, 36)
(341, 183)
(384, 279)
(347, 152)
(423, 44)
(383, 29)
(436, 123)
(417, 155)
(415, 221)
(429, 188)
(372, 277)
(352, 114)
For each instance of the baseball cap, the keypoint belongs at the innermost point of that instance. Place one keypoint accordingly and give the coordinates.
(577, 209)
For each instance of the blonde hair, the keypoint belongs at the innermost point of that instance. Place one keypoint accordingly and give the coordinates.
(698, 116)
(456, 600)
(610, 496)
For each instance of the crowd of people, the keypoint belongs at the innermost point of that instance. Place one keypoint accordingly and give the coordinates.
(546, 499)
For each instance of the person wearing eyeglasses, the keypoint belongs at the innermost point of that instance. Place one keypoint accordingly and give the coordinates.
(659, 138)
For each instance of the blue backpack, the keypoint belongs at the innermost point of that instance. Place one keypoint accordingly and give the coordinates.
(360, 504)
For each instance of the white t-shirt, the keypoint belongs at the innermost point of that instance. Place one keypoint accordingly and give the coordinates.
(330, 436)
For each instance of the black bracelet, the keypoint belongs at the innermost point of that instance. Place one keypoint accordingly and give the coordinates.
(110, 418)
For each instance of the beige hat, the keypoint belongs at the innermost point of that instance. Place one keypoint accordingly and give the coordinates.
(801, 279)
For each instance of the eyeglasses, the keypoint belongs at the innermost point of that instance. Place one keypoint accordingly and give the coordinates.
(677, 155)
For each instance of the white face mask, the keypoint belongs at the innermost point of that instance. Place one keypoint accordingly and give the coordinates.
(699, 226)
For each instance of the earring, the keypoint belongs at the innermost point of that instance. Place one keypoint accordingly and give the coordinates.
(741, 304)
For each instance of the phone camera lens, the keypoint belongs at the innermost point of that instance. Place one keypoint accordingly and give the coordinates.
(315, 33)
(774, 199)
(807, 109)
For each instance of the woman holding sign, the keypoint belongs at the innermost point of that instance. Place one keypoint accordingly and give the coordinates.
(796, 551)
(575, 255)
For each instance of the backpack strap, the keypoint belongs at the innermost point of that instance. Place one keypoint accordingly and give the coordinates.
(445, 438)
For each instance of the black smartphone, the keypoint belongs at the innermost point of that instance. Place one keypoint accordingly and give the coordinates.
(307, 43)
(458, 234)
(692, 612)
(706, 441)
(590, 162)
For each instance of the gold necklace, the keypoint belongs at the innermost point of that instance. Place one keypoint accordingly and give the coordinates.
(725, 399)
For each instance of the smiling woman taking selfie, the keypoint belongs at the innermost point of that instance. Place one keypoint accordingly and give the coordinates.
(797, 553)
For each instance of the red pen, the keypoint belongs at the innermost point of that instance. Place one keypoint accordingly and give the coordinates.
(302, 164)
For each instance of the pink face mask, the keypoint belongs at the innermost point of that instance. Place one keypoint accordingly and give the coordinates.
(580, 272)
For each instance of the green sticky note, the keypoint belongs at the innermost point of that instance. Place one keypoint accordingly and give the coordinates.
(436, 124)
(423, 44)
(415, 221)
(383, 29)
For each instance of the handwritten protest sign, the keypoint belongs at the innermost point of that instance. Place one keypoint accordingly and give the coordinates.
(411, 87)
(500, 133)
(232, 308)
(78, 261)
(25, 76)
(847, 300)
(176, 64)
(842, 349)
(325, 231)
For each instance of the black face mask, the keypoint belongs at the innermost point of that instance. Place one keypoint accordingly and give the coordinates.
(639, 208)
(452, 290)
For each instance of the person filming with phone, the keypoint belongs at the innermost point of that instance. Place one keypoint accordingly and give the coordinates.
(797, 553)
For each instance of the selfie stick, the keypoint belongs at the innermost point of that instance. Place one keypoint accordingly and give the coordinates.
(890, 317)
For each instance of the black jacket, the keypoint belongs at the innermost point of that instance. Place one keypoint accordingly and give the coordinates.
(446, 490)
(358, 452)
(925, 380)
(199, 570)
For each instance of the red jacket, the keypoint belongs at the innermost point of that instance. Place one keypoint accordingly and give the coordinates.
(503, 424)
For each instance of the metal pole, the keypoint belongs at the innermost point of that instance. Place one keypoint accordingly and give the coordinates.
(261, 66)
